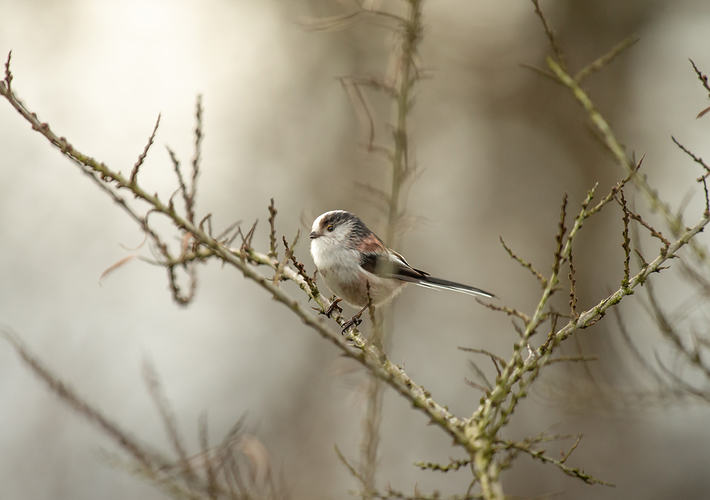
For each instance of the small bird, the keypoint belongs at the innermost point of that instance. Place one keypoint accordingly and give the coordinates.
(359, 268)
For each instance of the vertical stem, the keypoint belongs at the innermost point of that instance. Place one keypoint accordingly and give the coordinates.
(407, 77)
(400, 158)
(371, 424)
(488, 475)
(371, 439)
(373, 415)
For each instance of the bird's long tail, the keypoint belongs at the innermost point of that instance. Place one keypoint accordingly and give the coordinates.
(431, 282)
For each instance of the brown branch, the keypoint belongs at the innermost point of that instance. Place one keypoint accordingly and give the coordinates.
(345, 21)
(696, 159)
(497, 360)
(616, 188)
(363, 108)
(175, 289)
(654, 232)
(703, 78)
(551, 35)
(481, 376)
(504, 309)
(144, 153)
(572, 288)
(247, 238)
(198, 152)
(289, 253)
(559, 238)
(181, 182)
(8, 73)
(157, 394)
(527, 265)
(74, 401)
(572, 359)
(210, 470)
(626, 241)
(272, 230)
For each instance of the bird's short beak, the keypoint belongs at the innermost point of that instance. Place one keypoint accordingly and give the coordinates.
(313, 235)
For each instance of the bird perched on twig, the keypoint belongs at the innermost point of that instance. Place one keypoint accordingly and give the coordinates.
(359, 268)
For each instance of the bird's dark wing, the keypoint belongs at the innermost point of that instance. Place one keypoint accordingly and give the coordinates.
(391, 266)
(379, 260)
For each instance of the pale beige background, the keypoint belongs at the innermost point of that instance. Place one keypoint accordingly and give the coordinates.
(497, 146)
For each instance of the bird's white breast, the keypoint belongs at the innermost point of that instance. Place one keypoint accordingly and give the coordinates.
(329, 254)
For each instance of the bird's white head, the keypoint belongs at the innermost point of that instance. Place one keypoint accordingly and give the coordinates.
(334, 227)
(335, 234)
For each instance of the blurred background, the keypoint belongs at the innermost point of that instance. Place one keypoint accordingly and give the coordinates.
(496, 146)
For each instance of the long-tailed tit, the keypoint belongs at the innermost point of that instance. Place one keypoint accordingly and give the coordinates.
(359, 268)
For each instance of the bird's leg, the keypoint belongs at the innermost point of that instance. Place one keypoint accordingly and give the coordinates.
(333, 306)
(355, 320)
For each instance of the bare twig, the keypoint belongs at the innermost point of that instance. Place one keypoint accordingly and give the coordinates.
(704, 80)
(157, 394)
(628, 213)
(540, 455)
(559, 239)
(8, 73)
(625, 240)
(702, 77)
(615, 189)
(486, 387)
(497, 360)
(605, 59)
(574, 447)
(551, 35)
(527, 265)
(288, 255)
(696, 159)
(351, 469)
(199, 136)
(451, 466)
(572, 288)
(74, 401)
(144, 153)
(272, 230)
(572, 359)
(391, 494)
(504, 309)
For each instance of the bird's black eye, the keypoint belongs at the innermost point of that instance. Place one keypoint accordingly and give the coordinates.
(330, 228)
